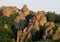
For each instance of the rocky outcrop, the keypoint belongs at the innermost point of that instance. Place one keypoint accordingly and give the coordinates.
(56, 36)
(41, 17)
(22, 13)
(20, 17)
(7, 10)
(25, 10)
(49, 29)
(38, 20)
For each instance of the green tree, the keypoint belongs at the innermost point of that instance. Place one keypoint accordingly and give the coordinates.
(29, 16)
(14, 30)
(38, 34)
(6, 35)
(51, 16)
(8, 20)
(29, 40)
(57, 19)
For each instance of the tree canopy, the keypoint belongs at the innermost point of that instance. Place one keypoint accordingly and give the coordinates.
(6, 35)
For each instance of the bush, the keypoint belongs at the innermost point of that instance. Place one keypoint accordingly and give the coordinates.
(29, 16)
(6, 35)
(29, 40)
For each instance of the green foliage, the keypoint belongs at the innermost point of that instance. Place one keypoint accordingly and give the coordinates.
(55, 28)
(13, 16)
(58, 18)
(14, 30)
(51, 16)
(38, 34)
(6, 35)
(47, 40)
(29, 40)
(8, 20)
(29, 16)
(4, 19)
(57, 40)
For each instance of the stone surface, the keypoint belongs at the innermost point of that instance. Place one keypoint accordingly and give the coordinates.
(41, 17)
(56, 36)
(7, 10)
(25, 10)
(49, 29)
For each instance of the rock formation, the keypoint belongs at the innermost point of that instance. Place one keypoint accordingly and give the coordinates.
(39, 19)
(49, 29)
(25, 10)
(7, 10)
(23, 13)
(56, 36)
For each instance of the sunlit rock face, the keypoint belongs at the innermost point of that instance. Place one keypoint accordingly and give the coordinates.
(35, 23)
(22, 13)
(7, 10)
(25, 10)
(41, 17)
(51, 24)
(49, 29)
(56, 36)
(42, 21)
(40, 14)
(20, 16)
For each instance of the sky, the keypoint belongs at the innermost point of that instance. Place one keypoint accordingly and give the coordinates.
(35, 5)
